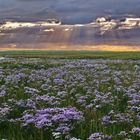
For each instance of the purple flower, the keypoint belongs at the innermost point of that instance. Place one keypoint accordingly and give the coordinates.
(31, 90)
(52, 117)
(99, 136)
(59, 81)
(136, 130)
(2, 93)
(106, 120)
(63, 129)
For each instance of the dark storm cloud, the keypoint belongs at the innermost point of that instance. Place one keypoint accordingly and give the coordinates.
(31, 0)
(69, 11)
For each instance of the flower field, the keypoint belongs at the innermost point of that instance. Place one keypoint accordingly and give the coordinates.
(69, 99)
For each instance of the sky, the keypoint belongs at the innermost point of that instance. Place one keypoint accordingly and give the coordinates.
(68, 11)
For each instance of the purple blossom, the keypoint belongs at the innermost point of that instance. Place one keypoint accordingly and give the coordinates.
(47, 118)
(106, 120)
(99, 136)
(31, 90)
(63, 129)
(136, 130)
(2, 93)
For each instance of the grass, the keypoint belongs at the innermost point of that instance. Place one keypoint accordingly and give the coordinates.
(72, 54)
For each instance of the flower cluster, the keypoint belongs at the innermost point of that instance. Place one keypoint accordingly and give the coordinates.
(69, 99)
(99, 136)
(57, 119)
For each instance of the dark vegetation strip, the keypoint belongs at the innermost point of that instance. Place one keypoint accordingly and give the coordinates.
(72, 54)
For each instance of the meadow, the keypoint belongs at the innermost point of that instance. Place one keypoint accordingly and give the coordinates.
(135, 55)
(72, 97)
